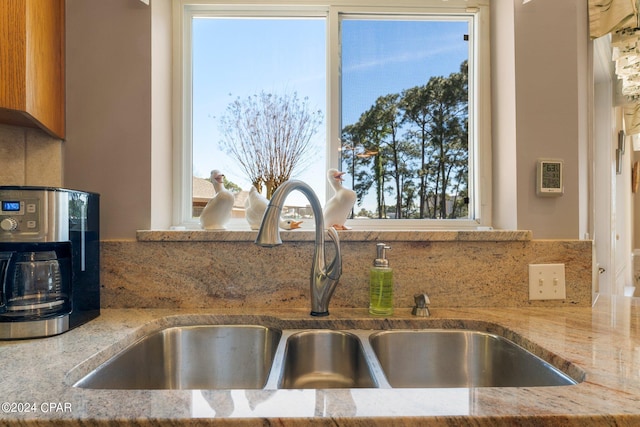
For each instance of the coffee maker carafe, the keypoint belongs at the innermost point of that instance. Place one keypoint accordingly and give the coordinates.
(39, 282)
(49, 260)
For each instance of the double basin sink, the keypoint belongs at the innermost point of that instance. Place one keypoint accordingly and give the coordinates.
(259, 357)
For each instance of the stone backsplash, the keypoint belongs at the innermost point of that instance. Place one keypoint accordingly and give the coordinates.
(29, 157)
(166, 273)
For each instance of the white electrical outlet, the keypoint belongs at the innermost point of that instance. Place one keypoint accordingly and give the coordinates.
(546, 281)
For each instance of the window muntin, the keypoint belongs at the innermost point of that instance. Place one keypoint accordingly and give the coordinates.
(333, 15)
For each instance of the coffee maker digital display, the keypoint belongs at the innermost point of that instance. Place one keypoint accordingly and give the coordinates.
(49, 260)
(10, 206)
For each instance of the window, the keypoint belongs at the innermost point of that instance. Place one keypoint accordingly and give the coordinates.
(389, 95)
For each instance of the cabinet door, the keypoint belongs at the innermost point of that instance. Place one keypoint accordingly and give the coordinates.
(32, 64)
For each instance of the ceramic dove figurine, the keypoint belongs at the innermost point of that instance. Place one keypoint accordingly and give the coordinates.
(216, 214)
(339, 206)
(289, 224)
(255, 205)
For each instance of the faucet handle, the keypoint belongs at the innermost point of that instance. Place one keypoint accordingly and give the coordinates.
(421, 309)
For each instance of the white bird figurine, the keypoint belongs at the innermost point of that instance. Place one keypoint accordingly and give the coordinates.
(256, 204)
(339, 206)
(289, 224)
(216, 214)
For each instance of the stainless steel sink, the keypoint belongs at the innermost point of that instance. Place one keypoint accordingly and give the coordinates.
(325, 359)
(191, 357)
(257, 357)
(460, 358)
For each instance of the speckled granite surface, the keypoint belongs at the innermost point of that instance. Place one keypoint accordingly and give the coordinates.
(604, 342)
(305, 234)
(195, 269)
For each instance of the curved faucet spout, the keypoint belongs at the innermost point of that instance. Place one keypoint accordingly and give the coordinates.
(324, 278)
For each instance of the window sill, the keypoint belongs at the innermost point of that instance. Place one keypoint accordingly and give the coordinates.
(303, 235)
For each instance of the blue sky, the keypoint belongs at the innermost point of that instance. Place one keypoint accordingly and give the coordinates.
(384, 57)
(242, 57)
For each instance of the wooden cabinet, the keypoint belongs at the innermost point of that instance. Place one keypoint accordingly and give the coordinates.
(32, 85)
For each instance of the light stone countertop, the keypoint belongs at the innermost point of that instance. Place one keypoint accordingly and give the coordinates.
(307, 233)
(603, 341)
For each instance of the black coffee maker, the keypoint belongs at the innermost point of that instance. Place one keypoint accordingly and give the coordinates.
(49, 260)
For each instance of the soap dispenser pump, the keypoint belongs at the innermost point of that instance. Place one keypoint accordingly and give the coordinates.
(381, 283)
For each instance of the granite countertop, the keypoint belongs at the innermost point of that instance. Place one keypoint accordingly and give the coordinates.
(603, 342)
(240, 233)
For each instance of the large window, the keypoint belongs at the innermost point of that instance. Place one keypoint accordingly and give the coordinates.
(389, 95)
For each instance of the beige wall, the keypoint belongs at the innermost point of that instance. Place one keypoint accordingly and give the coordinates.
(551, 72)
(108, 143)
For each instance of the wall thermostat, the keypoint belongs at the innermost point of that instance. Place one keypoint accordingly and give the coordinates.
(549, 177)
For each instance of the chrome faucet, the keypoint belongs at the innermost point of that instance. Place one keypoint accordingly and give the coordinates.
(324, 278)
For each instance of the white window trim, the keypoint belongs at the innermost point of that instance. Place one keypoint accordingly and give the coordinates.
(479, 129)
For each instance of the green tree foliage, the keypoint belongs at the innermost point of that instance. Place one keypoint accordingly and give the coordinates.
(414, 145)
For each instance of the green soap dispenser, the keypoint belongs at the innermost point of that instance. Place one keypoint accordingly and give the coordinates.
(381, 284)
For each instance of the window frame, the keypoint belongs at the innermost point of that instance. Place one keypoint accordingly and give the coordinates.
(479, 86)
